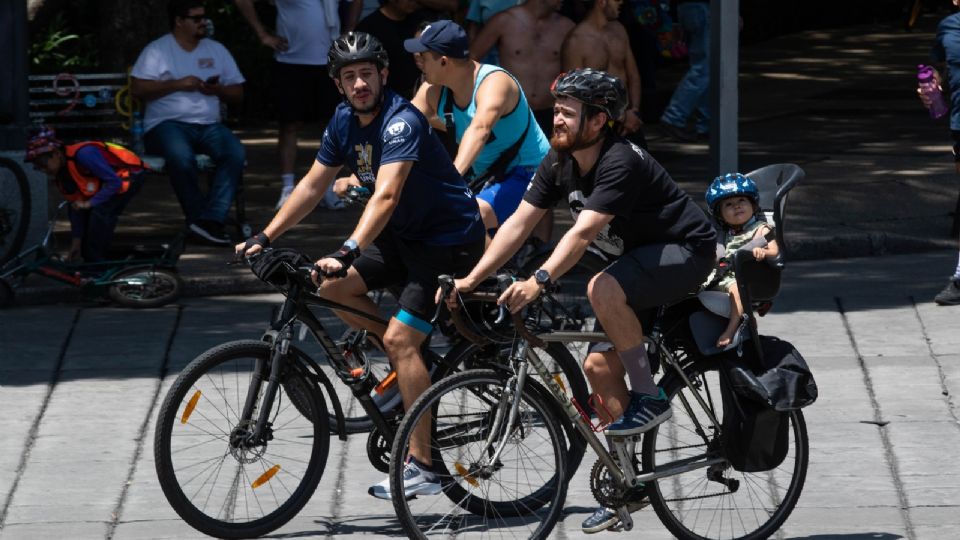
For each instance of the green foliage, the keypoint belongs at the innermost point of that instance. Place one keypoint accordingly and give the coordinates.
(54, 48)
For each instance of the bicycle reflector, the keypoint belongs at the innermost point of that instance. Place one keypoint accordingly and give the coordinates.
(265, 477)
(191, 405)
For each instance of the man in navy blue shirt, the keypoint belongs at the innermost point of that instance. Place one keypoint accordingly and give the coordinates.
(420, 222)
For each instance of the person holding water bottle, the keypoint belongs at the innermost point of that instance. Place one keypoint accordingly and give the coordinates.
(946, 51)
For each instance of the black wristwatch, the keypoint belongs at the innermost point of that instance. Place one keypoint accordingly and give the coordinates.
(542, 277)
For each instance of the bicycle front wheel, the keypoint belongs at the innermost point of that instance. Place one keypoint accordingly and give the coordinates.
(717, 502)
(517, 493)
(217, 482)
(14, 208)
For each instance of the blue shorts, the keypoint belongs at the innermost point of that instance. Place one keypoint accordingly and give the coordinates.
(504, 196)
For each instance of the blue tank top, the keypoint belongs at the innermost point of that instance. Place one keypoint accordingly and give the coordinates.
(505, 132)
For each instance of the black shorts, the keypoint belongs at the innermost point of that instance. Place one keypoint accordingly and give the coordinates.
(303, 93)
(658, 274)
(415, 266)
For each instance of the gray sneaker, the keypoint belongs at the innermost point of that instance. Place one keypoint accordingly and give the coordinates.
(950, 295)
(416, 481)
(605, 518)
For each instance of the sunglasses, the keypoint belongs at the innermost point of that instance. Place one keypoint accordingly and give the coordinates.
(195, 18)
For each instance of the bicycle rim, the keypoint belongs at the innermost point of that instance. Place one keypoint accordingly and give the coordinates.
(691, 505)
(516, 496)
(224, 489)
(14, 208)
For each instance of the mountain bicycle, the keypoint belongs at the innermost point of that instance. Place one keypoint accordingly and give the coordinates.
(14, 208)
(242, 436)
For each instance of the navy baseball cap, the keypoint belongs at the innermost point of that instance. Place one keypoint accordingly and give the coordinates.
(446, 38)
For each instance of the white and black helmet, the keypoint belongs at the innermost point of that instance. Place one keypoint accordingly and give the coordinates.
(354, 47)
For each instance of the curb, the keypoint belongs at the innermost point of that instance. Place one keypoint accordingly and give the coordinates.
(837, 247)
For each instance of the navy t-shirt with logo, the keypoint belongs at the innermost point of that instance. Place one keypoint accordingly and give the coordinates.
(436, 207)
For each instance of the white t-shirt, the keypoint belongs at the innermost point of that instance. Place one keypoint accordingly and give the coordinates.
(310, 27)
(164, 60)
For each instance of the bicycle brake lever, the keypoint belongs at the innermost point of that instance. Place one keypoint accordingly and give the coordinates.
(446, 285)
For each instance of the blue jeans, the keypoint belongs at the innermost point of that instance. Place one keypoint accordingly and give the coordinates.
(693, 92)
(178, 143)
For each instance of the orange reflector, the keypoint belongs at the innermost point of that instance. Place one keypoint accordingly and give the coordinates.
(191, 405)
(356, 372)
(462, 471)
(557, 378)
(265, 477)
(386, 383)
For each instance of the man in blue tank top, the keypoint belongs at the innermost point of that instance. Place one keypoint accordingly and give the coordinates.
(484, 107)
(420, 222)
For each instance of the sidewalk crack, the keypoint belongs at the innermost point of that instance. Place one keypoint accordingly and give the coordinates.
(35, 427)
(944, 390)
(888, 453)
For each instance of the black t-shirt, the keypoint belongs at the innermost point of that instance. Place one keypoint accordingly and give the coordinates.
(391, 33)
(626, 182)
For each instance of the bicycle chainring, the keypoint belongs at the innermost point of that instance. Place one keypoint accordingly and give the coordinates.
(604, 488)
(378, 451)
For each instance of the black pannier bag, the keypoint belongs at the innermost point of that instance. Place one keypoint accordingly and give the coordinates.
(757, 400)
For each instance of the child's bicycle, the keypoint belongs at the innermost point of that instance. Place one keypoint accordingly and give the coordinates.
(142, 277)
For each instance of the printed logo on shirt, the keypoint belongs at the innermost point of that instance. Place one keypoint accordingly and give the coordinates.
(397, 132)
(365, 163)
(637, 150)
(204, 63)
(606, 241)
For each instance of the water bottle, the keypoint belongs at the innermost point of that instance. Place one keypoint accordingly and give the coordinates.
(928, 87)
(136, 134)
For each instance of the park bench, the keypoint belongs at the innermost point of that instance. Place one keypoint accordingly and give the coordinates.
(85, 106)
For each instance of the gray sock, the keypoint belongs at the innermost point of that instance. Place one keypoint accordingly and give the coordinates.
(638, 370)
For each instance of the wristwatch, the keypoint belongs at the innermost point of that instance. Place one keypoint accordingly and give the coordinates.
(351, 245)
(542, 277)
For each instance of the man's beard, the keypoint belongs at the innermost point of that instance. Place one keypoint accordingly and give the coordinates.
(374, 103)
(566, 144)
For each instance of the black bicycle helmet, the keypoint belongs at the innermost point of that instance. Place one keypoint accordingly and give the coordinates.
(354, 47)
(593, 87)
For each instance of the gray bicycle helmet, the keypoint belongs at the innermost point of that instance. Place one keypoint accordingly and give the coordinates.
(355, 47)
(593, 87)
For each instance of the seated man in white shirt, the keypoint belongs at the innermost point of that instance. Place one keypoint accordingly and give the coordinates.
(182, 77)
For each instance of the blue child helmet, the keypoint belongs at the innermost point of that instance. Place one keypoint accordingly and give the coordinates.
(730, 185)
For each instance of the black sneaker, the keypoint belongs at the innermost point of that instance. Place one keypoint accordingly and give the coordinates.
(210, 232)
(950, 295)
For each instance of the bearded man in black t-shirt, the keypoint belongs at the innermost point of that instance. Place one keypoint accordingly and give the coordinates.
(662, 244)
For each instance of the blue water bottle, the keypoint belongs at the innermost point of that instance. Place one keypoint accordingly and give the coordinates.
(136, 134)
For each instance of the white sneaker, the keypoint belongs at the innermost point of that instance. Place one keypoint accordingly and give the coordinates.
(284, 195)
(416, 481)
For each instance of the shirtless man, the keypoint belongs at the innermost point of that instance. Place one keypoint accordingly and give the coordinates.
(601, 42)
(529, 38)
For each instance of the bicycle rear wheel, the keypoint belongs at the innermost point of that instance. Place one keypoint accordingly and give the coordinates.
(14, 208)
(518, 495)
(219, 485)
(717, 502)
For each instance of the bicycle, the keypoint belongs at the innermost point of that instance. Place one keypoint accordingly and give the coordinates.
(499, 456)
(14, 208)
(242, 436)
(141, 277)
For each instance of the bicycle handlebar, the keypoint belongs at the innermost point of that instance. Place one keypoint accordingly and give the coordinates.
(503, 281)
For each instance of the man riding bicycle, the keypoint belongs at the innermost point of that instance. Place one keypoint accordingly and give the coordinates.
(662, 244)
(420, 222)
(485, 109)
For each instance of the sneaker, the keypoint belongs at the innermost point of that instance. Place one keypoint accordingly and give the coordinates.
(643, 412)
(677, 133)
(950, 295)
(605, 518)
(284, 195)
(417, 480)
(210, 231)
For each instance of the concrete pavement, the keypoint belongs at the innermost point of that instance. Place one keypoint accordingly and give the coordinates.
(81, 386)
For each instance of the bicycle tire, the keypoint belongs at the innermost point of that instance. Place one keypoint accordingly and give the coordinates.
(222, 374)
(158, 287)
(458, 450)
(14, 208)
(734, 507)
